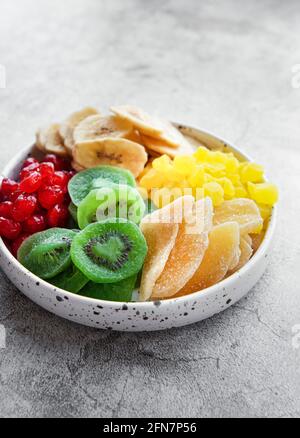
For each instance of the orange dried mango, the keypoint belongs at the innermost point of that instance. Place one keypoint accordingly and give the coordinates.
(224, 245)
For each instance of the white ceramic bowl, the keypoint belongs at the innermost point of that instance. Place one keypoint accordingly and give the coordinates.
(146, 316)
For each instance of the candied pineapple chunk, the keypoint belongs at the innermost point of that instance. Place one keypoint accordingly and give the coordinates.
(185, 164)
(202, 154)
(215, 174)
(243, 211)
(228, 187)
(162, 164)
(214, 191)
(224, 246)
(152, 179)
(264, 193)
(251, 172)
(197, 177)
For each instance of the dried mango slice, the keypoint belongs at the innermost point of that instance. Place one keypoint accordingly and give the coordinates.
(160, 229)
(243, 211)
(246, 252)
(224, 244)
(257, 240)
(188, 252)
(160, 240)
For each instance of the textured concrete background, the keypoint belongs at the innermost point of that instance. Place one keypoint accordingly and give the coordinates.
(227, 67)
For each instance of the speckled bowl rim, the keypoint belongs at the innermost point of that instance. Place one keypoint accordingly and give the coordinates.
(15, 162)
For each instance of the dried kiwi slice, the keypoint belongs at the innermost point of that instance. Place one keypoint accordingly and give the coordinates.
(47, 253)
(83, 182)
(113, 201)
(73, 211)
(120, 291)
(109, 251)
(71, 280)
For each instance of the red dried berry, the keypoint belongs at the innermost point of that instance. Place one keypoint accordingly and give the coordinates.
(59, 178)
(59, 163)
(58, 216)
(46, 170)
(15, 195)
(23, 207)
(32, 183)
(5, 209)
(8, 186)
(29, 161)
(9, 228)
(17, 243)
(51, 158)
(34, 224)
(27, 171)
(72, 173)
(50, 195)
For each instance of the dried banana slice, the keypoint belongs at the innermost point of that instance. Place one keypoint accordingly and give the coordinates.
(97, 127)
(171, 136)
(142, 121)
(111, 151)
(159, 147)
(77, 166)
(49, 140)
(68, 126)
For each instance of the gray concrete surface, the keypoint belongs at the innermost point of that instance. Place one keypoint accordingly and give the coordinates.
(227, 67)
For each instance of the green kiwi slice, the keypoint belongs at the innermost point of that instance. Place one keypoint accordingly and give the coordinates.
(47, 253)
(83, 182)
(120, 291)
(71, 280)
(113, 201)
(109, 251)
(73, 212)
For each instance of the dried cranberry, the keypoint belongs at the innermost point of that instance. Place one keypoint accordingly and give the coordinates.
(15, 195)
(32, 183)
(29, 161)
(46, 170)
(23, 207)
(50, 195)
(8, 186)
(34, 224)
(59, 178)
(58, 216)
(59, 163)
(9, 228)
(5, 209)
(27, 171)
